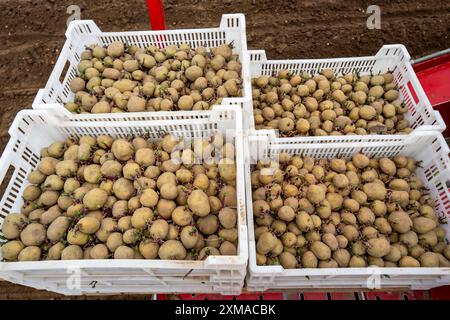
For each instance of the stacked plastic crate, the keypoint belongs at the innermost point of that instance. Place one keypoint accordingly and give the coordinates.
(50, 121)
(425, 143)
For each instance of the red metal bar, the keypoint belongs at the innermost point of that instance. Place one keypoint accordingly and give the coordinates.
(313, 296)
(156, 14)
(398, 295)
(434, 75)
(201, 296)
(343, 295)
(441, 293)
(431, 63)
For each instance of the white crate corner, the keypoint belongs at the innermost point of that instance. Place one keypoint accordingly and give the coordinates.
(34, 129)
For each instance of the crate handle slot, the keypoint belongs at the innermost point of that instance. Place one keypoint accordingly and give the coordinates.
(236, 21)
(6, 164)
(56, 75)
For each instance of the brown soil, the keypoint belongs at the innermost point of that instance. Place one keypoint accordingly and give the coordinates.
(32, 32)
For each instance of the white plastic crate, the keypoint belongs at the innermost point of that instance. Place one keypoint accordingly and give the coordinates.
(81, 33)
(394, 58)
(35, 129)
(428, 147)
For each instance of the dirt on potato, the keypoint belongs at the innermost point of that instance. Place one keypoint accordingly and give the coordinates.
(285, 29)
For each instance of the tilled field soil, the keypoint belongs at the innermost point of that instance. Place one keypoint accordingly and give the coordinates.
(32, 32)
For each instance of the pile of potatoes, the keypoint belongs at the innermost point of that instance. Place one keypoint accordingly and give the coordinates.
(335, 213)
(122, 78)
(135, 198)
(327, 104)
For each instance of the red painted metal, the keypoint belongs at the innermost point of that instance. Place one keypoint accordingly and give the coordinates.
(326, 296)
(394, 295)
(156, 14)
(434, 75)
(430, 63)
(421, 295)
(313, 296)
(413, 92)
(344, 295)
(201, 296)
(441, 293)
(397, 295)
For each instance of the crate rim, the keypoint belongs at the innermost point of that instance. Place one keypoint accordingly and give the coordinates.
(222, 25)
(264, 59)
(211, 263)
(439, 126)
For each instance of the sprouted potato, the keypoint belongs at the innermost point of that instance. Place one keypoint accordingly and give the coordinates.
(127, 203)
(349, 213)
(327, 104)
(123, 78)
